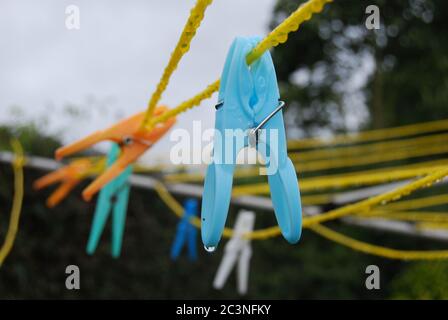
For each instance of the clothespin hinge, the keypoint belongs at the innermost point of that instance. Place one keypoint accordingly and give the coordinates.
(253, 133)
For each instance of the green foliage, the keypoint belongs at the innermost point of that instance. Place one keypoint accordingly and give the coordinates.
(32, 139)
(422, 280)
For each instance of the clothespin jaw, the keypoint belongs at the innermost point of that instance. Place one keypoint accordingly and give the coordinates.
(119, 216)
(238, 252)
(69, 176)
(186, 233)
(132, 140)
(113, 197)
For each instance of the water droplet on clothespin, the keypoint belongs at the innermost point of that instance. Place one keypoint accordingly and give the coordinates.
(210, 249)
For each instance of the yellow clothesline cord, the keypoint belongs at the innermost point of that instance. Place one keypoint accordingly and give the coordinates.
(375, 249)
(253, 172)
(17, 201)
(341, 181)
(404, 205)
(317, 199)
(428, 225)
(279, 35)
(290, 24)
(368, 159)
(418, 203)
(418, 216)
(366, 205)
(332, 151)
(314, 222)
(359, 207)
(356, 208)
(182, 47)
(372, 135)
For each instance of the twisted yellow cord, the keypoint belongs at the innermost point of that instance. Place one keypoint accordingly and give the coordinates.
(430, 225)
(254, 171)
(184, 106)
(356, 208)
(278, 35)
(418, 203)
(182, 47)
(377, 250)
(313, 222)
(290, 24)
(368, 159)
(383, 199)
(418, 216)
(341, 181)
(372, 135)
(17, 201)
(331, 151)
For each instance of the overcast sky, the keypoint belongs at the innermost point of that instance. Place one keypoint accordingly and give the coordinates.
(109, 68)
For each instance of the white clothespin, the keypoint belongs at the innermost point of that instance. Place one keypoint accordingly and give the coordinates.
(238, 248)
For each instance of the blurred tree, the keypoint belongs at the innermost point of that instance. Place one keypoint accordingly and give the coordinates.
(34, 142)
(334, 69)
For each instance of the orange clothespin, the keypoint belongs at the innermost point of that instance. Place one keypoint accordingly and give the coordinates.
(70, 176)
(133, 142)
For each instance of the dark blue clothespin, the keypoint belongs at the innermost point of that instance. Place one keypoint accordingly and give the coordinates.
(186, 232)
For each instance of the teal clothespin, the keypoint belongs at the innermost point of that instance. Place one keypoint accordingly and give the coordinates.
(113, 197)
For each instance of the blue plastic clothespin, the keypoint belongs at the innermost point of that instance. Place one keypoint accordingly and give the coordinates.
(186, 232)
(113, 197)
(249, 102)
